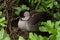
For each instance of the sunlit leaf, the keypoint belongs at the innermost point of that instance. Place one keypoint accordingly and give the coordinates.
(58, 37)
(7, 37)
(50, 5)
(31, 36)
(0, 12)
(43, 29)
(57, 15)
(18, 10)
(21, 38)
(41, 9)
(41, 38)
(2, 19)
(1, 33)
(3, 22)
(57, 25)
(24, 7)
(52, 37)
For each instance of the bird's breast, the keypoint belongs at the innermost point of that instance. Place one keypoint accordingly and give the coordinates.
(23, 25)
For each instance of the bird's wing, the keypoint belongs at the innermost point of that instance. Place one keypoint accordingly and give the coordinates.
(38, 17)
(35, 17)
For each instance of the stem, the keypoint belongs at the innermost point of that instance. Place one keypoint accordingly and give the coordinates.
(37, 4)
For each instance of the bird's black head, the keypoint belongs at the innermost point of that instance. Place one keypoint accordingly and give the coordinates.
(23, 13)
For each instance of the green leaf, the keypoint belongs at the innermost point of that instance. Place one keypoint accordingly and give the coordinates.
(55, 3)
(17, 1)
(45, 38)
(0, 12)
(57, 25)
(58, 37)
(3, 25)
(35, 35)
(21, 38)
(18, 10)
(24, 7)
(50, 24)
(1, 33)
(47, 2)
(47, 27)
(36, 1)
(57, 15)
(7, 37)
(3, 22)
(50, 5)
(41, 38)
(31, 36)
(41, 9)
(52, 37)
(43, 29)
(54, 32)
(58, 32)
(29, 1)
(2, 19)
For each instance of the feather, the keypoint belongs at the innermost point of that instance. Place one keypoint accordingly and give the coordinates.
(37, 17)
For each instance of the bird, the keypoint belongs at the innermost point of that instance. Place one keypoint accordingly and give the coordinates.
(30, 21)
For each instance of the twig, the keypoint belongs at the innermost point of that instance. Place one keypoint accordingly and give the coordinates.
(37, 4)
(7, 16)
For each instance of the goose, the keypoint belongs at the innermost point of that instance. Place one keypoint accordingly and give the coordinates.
(30, 21)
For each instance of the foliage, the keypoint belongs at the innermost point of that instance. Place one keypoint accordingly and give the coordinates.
(18, 9)
(47, 26)
(7, 37)
(33, 2)
(34, 37)
(1, 33)
(3, 23)
(57, 15)
(21, 38)
(42, 5)
(46, 5)
(17, 1)
(0, 12)
(3, 36)
(52, 28)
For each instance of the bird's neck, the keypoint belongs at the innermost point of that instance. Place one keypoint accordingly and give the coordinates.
(26, 18)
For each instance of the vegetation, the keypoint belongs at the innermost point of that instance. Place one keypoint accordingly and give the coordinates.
(53, 28)
(9, 10)
(18, 9)
(3, 24)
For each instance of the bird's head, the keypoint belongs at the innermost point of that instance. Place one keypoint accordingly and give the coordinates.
(25, 15)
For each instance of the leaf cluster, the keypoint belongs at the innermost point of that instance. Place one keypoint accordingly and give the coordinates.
(52, 28)
(4, 36)
(3, 23)
(18, 9)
